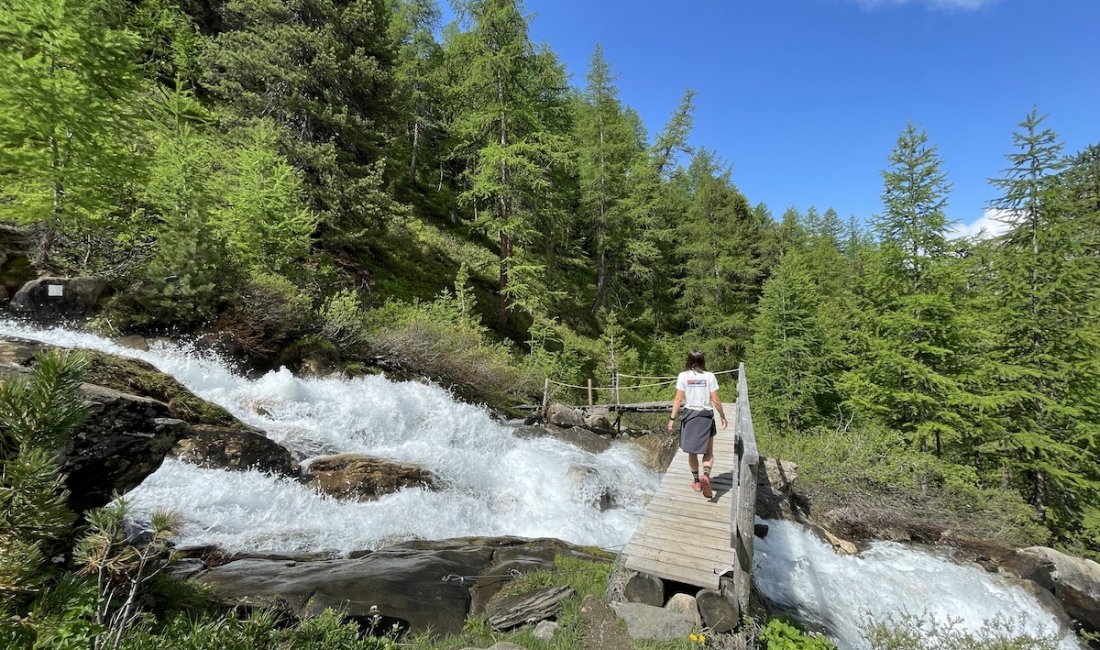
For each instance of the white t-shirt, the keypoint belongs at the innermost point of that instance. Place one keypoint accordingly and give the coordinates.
(697, 387)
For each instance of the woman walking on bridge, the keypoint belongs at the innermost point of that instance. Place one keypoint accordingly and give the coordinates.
(697, 392)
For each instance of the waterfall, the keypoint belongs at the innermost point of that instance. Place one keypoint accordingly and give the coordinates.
(497, 484)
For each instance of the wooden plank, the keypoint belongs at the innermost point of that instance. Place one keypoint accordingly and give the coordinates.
(697, 577)
(708, 537)
(683, 553)
(670, 518)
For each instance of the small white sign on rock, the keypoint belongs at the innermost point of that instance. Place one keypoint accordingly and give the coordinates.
(55, 290)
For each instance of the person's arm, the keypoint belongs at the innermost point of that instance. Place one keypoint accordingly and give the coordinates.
(716, 402)
(675, 408)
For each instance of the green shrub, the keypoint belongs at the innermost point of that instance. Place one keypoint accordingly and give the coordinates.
(925, 632)
(779, 634)
(865, 476)
(443, 340)
(342, 319)
(267, 314)
(36, 416)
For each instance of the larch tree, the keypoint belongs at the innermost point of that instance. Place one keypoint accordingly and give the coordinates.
(1045, 356)
(503, 130)
(787, 356)
(324, 70)
(607, 145)
(68, 84)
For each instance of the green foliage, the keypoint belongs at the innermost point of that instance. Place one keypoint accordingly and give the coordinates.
(508, 98)
(908, 356)
(788, 354)
(866, 477)
(123, 560)
(778, 634)
(924, 632)
(68, 85)
(442, 340)
(342, 319)
(36, 415)
(262, 217)
(1040, 369)
(324, 72)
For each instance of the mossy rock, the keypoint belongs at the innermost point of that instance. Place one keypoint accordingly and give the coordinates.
(140, 378)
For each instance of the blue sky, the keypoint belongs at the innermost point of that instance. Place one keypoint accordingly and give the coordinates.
(805, 98)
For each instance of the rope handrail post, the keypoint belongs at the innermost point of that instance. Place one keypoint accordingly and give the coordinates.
(545, 397)
(590, 400)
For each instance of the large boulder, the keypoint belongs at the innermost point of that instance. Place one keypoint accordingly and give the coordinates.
(130, 376)
(125, 436)
(419, 584)
(123, 439)
(645, 622)
(577, 436)
(1074, 581)
(775, 489)
(361, 477)
(52, 298)
(657, 449)
(564, 416)
(234, 448)
(15, 263)
(403, 584)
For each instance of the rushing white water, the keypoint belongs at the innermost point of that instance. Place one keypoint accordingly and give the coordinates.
(493, 483)
(795, 569)
(497, 484)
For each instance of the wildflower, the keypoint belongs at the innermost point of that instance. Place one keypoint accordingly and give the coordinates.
(700, 639)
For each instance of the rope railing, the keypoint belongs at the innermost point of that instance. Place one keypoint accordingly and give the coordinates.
(615, 389)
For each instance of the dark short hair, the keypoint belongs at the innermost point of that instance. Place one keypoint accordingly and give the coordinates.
(696, 361)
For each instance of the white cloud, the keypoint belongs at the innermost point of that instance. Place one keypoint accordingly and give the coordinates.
(948, 5)
(990, 224)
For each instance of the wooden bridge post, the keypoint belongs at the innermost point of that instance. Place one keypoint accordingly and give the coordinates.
(590, 402)
(744, 502)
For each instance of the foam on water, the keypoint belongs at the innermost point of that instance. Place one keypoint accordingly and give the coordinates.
(493, 483)
(795, 569)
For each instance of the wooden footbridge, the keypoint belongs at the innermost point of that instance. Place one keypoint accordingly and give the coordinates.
(686, 538)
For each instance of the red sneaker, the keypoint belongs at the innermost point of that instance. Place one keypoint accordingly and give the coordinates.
(697, 486)
(704, 482)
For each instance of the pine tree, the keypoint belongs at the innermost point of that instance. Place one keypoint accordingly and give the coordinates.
(67, 111)
(907, 373)
(36, 415)
(654, 193)
(419, 92)
(719, 244)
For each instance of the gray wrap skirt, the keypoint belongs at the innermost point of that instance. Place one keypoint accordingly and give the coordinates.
(697, 427)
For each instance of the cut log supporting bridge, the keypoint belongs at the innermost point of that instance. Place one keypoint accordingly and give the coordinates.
(685, 538)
